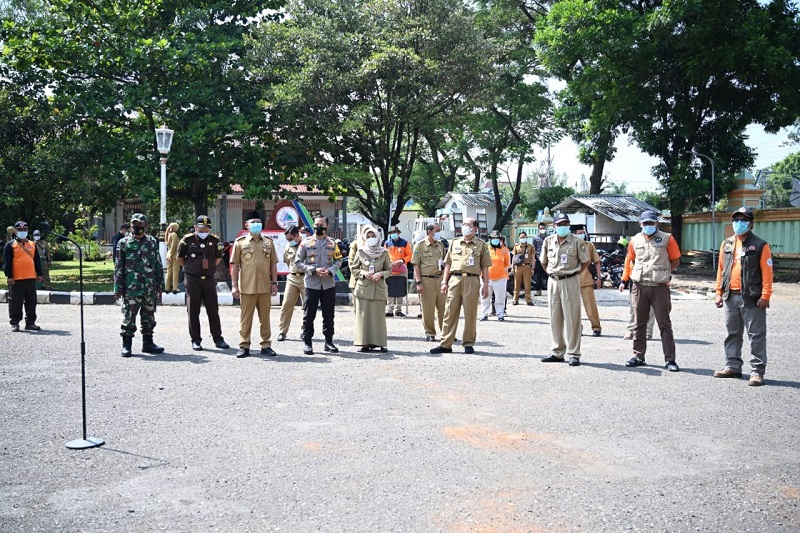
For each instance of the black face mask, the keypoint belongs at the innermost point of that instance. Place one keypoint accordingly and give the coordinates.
(320, 230)
(137, 230)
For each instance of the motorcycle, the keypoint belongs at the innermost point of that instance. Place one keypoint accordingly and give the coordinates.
(612, 265)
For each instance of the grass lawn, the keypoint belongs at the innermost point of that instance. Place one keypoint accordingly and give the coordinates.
(98, 276)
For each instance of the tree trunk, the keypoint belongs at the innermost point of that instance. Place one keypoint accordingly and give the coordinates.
(596, 179)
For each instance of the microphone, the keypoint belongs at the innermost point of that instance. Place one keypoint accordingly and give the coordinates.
(44, 227)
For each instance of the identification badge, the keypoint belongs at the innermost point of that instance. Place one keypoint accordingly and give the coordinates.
(563, 259)
(471, 261)
(372, 267)
(526, 256)
(205, 264)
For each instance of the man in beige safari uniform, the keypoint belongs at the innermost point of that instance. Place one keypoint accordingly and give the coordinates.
(466, 262)
(428, 261)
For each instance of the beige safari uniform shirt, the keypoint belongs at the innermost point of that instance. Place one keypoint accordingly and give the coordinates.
(255, 257)
(467, 257)
(295, 277)
(594, 257)
(428, 258)
(527, 250)
(565, 258)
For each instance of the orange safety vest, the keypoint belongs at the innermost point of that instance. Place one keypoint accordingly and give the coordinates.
(23, 266)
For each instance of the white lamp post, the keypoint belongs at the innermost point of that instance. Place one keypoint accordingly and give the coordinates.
(164, 143)
(713, 211)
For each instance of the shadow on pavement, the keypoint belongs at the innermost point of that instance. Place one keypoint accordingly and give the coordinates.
(158, 462)
(55, 332)
(691, 341)
(649, 370)
(172, 358)
(281, 358)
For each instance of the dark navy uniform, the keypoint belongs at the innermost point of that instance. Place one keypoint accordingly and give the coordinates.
(200, 258)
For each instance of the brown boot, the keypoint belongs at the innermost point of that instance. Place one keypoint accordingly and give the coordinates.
(727, 373)
(756, 380)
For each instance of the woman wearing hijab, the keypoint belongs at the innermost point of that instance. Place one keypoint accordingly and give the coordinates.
(173, 267)
(370, 267)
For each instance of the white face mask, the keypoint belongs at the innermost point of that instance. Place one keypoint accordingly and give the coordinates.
(22, 234)
(202, 235)
(372, 241)
(581, 236)
(36, 237)
(437, 236)
(467, 230)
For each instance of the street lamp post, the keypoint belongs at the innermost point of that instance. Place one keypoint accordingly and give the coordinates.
(713, 210)
(164, 143)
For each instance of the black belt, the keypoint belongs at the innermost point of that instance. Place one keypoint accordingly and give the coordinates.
(434, 277)
(198, 276)
(735, 291)
(297, 273)
(565, 277)
(464, 274)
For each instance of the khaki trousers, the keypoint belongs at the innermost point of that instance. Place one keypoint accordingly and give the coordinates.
(432, 302)
(522, 274)
(461, 292)
(563, 298)
(173, 276)
(590, 304)
(292, 292)
(249, 303)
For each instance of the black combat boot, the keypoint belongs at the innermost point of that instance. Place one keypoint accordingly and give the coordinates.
(127, 342)
(148, 346)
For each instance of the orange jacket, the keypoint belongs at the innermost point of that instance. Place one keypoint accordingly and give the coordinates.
(501, 262)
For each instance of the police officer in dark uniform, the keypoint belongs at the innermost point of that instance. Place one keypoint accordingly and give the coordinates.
(199, 253)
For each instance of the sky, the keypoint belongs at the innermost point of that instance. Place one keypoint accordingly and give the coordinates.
(632, 166)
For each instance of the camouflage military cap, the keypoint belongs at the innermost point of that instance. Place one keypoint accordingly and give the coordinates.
(139, 217)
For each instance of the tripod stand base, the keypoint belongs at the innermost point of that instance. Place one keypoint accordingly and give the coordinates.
(82, 444)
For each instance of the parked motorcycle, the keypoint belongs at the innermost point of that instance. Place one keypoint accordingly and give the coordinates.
(612, 265)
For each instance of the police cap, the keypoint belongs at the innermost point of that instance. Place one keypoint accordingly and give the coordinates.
(203, 221)
(20, 224)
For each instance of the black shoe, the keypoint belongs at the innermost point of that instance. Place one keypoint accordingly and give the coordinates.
(196, 346)
(530, 303)
(32, 327)
(484, 319)
(268, 351)
(127, 346)
(635, 361)
(382, 349)
(430, 338)
(469, 349)
(15, 328)
(553, 359)
(672, 366)
(515, 302)
(242, 353)
(596, 333)
(389, 314)
(399, 313)
(308, 349)
(221, 344)
(441, 349)
(364, 349)
(330, 347)
(574, 361)
(281, 337)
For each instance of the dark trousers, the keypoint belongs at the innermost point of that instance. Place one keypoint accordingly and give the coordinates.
(327, 300)
(202, 292)
(643, 297)
(539, 277)
(22, 292)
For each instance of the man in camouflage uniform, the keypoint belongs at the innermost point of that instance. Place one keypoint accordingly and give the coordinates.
(139, 281)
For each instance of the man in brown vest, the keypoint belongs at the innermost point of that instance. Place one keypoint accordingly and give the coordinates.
(652, 256)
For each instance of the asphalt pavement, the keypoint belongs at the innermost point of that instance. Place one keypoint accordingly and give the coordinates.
(401, 441)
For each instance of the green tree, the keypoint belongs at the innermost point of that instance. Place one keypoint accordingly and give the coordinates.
(681, 79)
(537, 198)
(350, 87)
(779, 181)
(124, 68)
(657, 200)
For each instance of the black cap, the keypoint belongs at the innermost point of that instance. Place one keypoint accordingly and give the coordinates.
(745, 212)
(648, 216)
(253, 215)
(203, 220)
(560, 217)
(21, 224)
(291, 230)
(394, 229)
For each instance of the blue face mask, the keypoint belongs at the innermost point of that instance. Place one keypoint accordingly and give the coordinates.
(495, 242)
(523, 240)
(740, 227)
(394, 236)
(562, 231)
(255, 227)
(292, 243)
(648, 230)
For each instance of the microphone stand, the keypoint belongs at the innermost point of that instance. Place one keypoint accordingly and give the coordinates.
(85, 442)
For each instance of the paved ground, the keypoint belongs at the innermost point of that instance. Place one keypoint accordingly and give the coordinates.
(404, 441)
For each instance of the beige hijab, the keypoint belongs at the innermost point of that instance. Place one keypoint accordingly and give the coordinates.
(373, 252)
